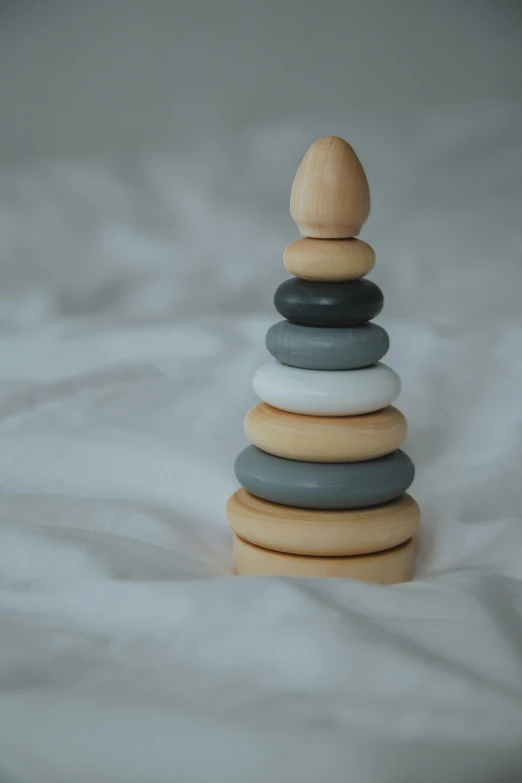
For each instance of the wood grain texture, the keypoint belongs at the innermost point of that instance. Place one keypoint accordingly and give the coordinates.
(329, 259)
(330, 196)
(325, 438)
(322, 533)
(384, 568)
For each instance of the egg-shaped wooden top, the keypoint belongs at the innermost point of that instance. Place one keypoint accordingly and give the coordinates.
(330, 196)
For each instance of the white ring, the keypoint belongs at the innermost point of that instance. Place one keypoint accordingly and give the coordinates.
(327, 392)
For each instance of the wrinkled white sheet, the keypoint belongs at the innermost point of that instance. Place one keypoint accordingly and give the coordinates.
(133, 308)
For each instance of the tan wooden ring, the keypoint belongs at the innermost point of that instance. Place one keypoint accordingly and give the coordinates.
(385, 568)
(303, 531)
(325, 438)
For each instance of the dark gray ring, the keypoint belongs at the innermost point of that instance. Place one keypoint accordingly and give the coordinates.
(308, 303)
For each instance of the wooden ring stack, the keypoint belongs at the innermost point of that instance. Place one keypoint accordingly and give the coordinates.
(324, 481)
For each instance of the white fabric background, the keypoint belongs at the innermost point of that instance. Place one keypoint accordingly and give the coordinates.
(135, 291)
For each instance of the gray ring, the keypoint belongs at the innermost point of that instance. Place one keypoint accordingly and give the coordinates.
(320, 348)
(325, 486)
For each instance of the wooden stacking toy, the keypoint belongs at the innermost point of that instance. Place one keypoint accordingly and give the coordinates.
(324, 481)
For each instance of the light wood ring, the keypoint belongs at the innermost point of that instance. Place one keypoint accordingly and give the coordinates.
(329, 259)
(385, 568)
(325, 438)
(303, 531)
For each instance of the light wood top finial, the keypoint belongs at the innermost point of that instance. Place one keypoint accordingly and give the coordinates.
(330, 196)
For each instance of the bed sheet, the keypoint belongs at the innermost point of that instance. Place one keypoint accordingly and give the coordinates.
(133, 312)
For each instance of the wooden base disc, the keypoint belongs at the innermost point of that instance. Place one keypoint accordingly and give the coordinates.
(325, 438)
(302, 531)
(329, 259)
(384, 568)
